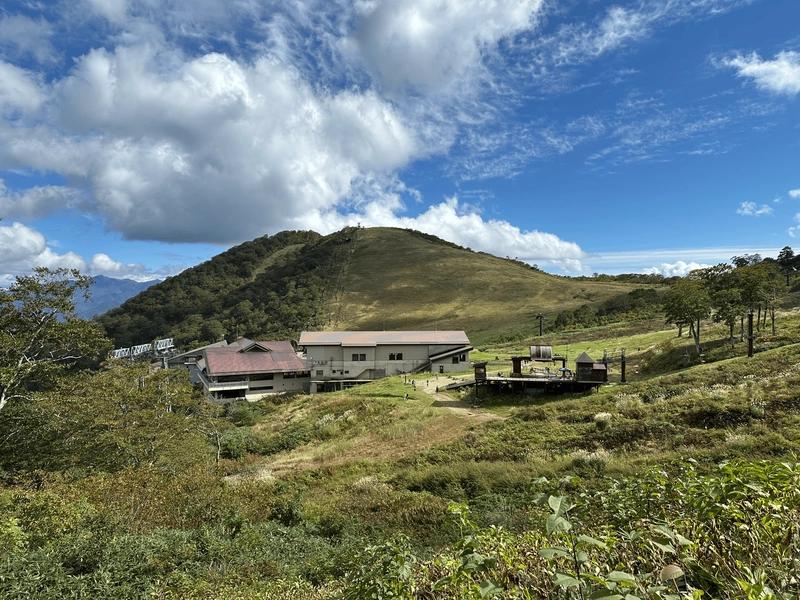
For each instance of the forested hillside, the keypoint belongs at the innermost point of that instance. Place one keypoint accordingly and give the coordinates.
(191, 306)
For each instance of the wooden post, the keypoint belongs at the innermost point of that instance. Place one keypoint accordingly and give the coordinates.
(622, 367)
(750, 335)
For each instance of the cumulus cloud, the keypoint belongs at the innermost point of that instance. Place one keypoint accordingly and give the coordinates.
(794, 193)
(23, 248)
(751, 209)
(780, 75)
(678, 268)
(433, 43)
(19, 90)
(212, 150)
(102, 264)
(462, 224)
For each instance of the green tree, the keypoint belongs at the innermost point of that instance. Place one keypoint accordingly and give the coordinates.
(124, 416)
(759, 285)
(787, 262)
(723, 284)
(40, 333)
(687, 302)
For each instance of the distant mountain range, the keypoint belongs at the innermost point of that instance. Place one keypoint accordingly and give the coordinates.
(108, 293)
(274, 287)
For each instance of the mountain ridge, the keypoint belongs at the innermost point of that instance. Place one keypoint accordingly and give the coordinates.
(276, 286)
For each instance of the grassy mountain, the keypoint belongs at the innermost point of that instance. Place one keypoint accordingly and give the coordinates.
(379, 278)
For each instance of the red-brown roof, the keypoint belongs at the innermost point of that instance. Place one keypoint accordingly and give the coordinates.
(255, 357)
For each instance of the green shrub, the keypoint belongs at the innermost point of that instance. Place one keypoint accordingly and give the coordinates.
(244, 414)
(234, 444)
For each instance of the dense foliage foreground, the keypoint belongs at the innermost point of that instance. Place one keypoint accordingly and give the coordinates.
(112, 489)
(667, 534)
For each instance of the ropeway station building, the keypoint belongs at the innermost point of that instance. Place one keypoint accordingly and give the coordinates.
(341, 359)
(324, 361)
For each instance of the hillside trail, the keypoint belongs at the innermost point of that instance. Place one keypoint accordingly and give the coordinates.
(458, 417)
(462, 408)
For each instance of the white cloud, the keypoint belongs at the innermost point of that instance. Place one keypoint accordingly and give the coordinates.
(780, 75)
(102, 264)
(36, 202)
(27, 37)
(113, 10)
(431, 44)
(19, 90)
(795, 231)
(753, 210)
(633, 261)
(23, 248)
(458, 223)
(678, 268)
(577, 43)
(794, 193)
(211, 150)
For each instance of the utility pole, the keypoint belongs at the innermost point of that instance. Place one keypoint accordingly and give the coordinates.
(541, 323)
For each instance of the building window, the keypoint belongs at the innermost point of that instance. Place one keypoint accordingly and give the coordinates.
(455, 360)
(261, 377)
(362, 357)
(290, 375)
(399, 356)
(319, 373)
(355, 357)
(463, 358)
(347, 372)
(260, 386)
(391, 356)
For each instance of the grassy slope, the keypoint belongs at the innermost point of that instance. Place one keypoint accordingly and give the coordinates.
(709, 412)
(399, 280)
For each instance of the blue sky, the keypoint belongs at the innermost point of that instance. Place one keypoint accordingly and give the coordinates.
(140, 137)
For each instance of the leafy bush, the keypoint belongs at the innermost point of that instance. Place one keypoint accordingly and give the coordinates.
(235, 443)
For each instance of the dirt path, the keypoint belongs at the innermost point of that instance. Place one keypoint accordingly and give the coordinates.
(463, 408)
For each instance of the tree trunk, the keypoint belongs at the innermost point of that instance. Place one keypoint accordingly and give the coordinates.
(772, 310)
(680, 329)
(741, 338)
(732, 324)
(697, 338)
(758, 319)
